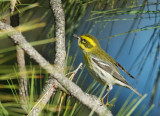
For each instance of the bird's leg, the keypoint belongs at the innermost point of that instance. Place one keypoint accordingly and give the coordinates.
(104, 97)
(107, 94)
(107, 104)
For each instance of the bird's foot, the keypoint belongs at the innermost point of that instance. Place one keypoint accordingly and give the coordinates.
(107, 104)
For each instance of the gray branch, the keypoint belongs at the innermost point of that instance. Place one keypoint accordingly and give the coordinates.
(58, 13)
(73, 89)
(23, 90)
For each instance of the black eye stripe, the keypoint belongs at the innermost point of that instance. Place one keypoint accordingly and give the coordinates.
(83, 41)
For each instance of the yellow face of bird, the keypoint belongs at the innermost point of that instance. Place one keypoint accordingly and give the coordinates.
(87, 42)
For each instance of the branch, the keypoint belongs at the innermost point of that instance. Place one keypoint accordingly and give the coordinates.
(23, 90)
(75, 71)
(73, 89)
(58, 13)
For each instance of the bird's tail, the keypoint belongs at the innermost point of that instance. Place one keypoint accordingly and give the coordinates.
(134, 90)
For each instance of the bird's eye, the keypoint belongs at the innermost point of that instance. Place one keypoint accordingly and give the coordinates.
(83, 41)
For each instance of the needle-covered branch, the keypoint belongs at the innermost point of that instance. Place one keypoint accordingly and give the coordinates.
(72, 88)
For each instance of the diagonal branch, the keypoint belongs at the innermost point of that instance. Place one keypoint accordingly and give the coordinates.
(73, 89)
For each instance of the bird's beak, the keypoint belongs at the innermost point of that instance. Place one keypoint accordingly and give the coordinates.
(76, 36)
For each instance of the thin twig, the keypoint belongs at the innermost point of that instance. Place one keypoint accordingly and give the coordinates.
(12, 6)
(75, 71)
(61, 100)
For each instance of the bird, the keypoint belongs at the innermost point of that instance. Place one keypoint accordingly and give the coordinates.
(101, 66)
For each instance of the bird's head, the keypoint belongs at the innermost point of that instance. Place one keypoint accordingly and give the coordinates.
(87, 42)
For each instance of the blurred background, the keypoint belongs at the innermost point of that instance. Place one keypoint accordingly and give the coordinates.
(128, 30)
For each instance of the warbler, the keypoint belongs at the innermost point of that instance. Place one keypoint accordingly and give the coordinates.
(102, 67)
